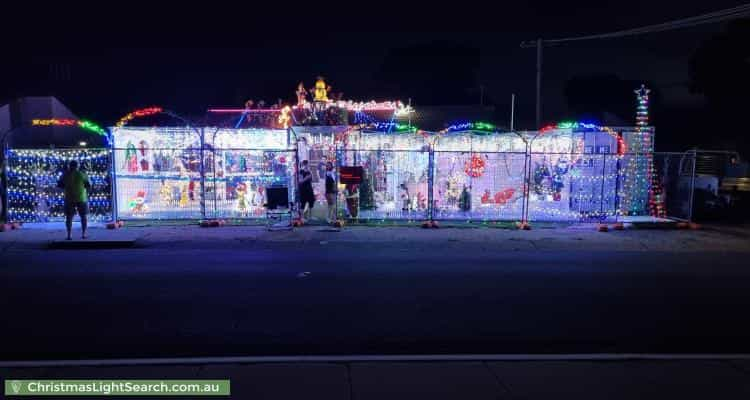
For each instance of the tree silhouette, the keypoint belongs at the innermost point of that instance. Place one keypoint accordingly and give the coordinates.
(720, 70)
(720, 67)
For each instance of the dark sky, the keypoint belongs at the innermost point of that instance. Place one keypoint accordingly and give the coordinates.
(103, 66)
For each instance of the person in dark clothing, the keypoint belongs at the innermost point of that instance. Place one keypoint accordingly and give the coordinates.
(306, 193)
(331, 192)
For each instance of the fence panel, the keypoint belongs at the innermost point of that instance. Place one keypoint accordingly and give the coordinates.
(478, 186)
(550, 186)
(671, 191)
(236, 180)
(593, 186)
(171, 173)
(395, 185)
(32, 176)
(158, 172)
(165, 185)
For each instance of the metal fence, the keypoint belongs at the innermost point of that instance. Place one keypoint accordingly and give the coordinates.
(501, 186)
(31, 177)
(673, 185)
(195, 183)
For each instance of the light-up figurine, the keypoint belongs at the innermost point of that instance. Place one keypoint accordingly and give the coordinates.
(301, 95)
(321, 90)
(284, 117)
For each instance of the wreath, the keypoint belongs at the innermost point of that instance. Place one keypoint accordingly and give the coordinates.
(474, 167)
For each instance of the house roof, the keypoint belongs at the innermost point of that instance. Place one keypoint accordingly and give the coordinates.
(16, 122)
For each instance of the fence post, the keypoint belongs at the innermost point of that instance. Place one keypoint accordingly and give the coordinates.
(527, 184)
(113, 182)
(430, 183)
(617, 186)
(601, 196)
(295, 179)
(692, 187)
(5, 215)
(202, 173)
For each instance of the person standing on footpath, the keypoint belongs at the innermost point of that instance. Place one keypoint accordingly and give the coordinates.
(75, 185)
(306, 193)
(331, 192)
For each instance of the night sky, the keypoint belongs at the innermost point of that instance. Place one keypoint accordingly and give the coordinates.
(105, 66)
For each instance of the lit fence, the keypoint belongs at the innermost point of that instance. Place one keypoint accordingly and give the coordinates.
(216, 180)
(32, 194)
(478, 186)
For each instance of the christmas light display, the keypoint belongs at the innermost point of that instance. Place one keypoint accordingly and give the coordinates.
(469, 126)
(81, 123)
(285, 117)
(641, 114)
(474, 167)
(583, 126)
(577, 172)
(143, 112)
(656, 204)
(157, 172)
(392, 127)
(397, 107)
(637, 165)
(572, 171)
(160, 171)
(33, 195)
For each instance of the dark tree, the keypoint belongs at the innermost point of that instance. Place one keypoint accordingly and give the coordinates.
(720, 69)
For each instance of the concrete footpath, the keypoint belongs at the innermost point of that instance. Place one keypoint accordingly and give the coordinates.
(399, 238)
(479, 379)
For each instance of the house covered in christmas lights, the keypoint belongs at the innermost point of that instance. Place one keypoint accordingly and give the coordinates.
(222, 166)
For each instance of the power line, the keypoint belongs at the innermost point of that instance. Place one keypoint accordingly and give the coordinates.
(709, 18)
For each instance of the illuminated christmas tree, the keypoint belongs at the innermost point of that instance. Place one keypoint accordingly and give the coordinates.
(637, 176)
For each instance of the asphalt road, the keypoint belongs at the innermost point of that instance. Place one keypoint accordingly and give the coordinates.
(235, 300)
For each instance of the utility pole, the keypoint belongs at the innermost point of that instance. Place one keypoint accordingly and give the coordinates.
(512, 110)
(409, 107)
(709, 18)
(539, 83)
(539, 44)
